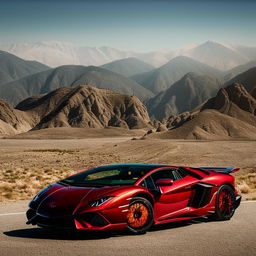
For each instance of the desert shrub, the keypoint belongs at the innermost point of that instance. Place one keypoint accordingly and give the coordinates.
(244, 188)
(56, 150)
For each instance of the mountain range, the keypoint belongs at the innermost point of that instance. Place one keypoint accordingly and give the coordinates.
(181, 93)
(165, 76)
(192, 81)
(53, 53)
(230, 114)
(46, 81)
(192, 90)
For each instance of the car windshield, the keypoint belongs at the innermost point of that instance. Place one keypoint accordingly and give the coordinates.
(115, 175)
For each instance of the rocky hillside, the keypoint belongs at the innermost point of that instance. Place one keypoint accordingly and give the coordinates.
(13, 121)
(253, 92)
(82, 106)
(234, 100)
(231, 114)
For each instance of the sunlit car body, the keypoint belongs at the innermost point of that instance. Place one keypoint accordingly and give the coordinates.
(135, 196)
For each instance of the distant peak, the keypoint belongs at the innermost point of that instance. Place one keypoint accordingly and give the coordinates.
(211, 42)
(180, 59)
(216, 44)
(191, 74)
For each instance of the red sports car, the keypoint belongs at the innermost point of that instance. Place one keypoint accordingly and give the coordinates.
(135, 197)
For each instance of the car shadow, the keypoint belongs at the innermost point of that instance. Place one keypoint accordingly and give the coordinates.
(61, 234)
(57, 234)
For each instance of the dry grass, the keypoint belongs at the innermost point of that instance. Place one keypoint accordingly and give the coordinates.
(23, 183)
(247, 183)
(251, 198)
(244, 188)
(55, 150)
(26, 166)
(23, 173)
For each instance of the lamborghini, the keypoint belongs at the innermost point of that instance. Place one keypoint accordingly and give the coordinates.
(135, 197)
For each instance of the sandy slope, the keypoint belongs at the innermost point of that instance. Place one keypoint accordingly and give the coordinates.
(63, 133)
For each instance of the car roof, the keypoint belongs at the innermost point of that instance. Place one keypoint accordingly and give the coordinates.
(137, 165)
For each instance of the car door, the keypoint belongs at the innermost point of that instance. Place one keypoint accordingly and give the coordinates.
(172, 200)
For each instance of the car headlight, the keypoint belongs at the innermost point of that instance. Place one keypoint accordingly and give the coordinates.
(100, 201)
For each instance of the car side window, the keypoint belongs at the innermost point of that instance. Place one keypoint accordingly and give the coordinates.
(179, 174)
(143, 183)
(174, 174)
(150, 183)
(163, 174)
(183, 173)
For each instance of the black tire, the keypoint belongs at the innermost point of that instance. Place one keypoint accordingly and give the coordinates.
(139, 215)
(224, 204)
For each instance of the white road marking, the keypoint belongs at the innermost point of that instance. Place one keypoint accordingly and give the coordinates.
(11, 213)
(18, 213)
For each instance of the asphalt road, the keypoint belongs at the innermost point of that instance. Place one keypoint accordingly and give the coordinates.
(234, 237)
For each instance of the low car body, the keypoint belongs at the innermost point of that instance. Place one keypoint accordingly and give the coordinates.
(101, 198)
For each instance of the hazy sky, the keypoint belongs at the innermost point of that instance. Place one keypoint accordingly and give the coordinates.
(136, 25)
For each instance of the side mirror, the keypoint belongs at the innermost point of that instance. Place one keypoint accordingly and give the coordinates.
(164, 182)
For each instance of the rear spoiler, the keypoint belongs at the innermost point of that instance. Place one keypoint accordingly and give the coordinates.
(225, 170)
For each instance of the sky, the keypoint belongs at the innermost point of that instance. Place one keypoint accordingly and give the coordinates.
(139, 25)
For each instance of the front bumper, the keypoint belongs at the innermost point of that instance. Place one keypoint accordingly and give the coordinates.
(88, 221)
(237, 201)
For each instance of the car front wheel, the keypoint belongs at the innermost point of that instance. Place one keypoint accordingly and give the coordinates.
(140, 215)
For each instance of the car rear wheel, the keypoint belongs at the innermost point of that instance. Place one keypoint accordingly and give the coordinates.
(140, 215)
(225, 203)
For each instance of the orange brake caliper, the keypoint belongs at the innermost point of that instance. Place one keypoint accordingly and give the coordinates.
(137, 215)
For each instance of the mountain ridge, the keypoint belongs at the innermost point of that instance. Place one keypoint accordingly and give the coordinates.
(70, 75)
(128, 66)
(13, 67)
(247, 78)
(184, 95)
(165, 76)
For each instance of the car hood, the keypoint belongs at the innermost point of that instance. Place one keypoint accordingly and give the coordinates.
(60, 200)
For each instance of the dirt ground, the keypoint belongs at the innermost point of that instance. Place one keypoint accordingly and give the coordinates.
(27, 165)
